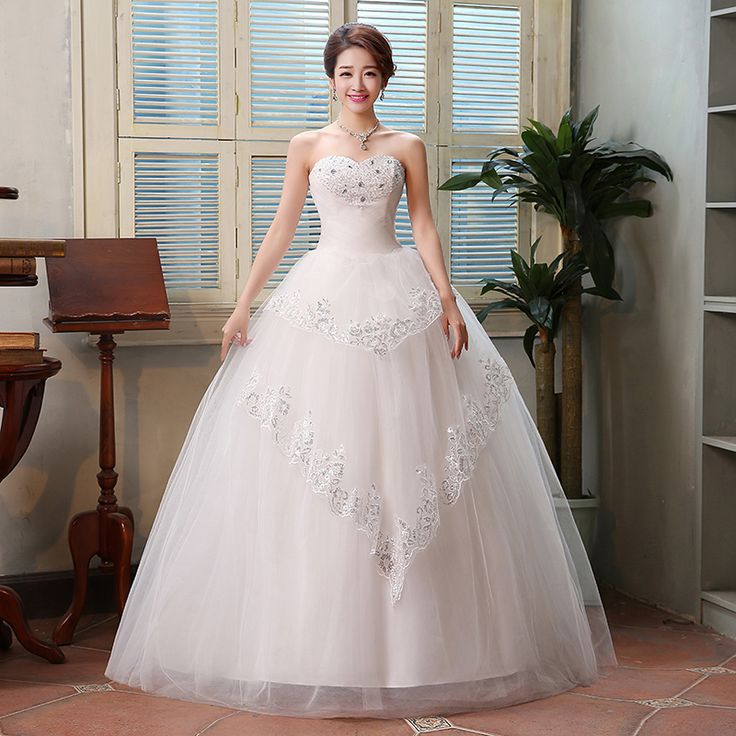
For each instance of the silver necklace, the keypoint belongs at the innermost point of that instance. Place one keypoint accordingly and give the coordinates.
(362, 137)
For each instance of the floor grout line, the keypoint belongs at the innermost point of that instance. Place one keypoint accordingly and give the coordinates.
(91, 649)
(638, 729)
(40, 705)
(97, 623)
(611, 698)
(217, 720)
(703, 678)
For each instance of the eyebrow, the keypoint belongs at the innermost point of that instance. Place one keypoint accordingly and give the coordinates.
(349, 66)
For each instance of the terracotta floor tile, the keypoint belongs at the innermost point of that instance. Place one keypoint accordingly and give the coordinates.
(714, 690)
(82, 666)
(15, 696)
(562, 715)
(691, 721)
(113, 714)
(665, 647)
(254, 724)
(623, 611)
(639, 684)
(99, 635)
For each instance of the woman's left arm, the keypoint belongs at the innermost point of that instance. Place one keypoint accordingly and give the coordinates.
(427, 238)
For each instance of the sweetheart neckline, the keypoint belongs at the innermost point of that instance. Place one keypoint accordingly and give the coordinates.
(350, 158)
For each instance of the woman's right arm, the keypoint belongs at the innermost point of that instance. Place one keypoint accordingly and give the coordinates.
(276, 241)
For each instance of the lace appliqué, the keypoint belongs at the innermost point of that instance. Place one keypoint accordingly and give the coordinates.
(324, 470)
(379, 333)
(359, 183)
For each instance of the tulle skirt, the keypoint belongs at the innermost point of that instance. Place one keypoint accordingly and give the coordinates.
(359, 525)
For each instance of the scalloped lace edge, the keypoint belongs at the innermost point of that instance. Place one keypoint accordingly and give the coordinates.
(379, 333)
(324, 471)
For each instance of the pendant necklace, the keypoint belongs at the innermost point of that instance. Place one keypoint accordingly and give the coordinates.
(362, 137)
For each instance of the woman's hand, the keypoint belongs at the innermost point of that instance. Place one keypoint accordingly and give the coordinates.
(451, 316)
(235, 329)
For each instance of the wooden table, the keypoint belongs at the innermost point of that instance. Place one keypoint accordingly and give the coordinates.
(21, 395)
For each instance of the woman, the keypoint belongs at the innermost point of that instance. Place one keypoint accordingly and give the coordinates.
(363, 520)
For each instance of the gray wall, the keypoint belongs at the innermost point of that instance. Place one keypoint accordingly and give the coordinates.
(157, 389)
(644, 63)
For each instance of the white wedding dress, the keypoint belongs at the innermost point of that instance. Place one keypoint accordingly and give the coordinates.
(359, 524)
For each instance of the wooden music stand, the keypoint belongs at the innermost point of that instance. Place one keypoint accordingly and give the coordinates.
(105, 287)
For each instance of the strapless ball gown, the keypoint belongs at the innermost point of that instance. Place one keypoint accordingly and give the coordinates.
(358, 524)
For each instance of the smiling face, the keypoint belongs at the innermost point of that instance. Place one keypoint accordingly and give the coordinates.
(358, 80)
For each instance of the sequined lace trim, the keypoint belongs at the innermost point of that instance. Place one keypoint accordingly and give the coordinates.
(359, 183)
(379, 333)
(324, 470)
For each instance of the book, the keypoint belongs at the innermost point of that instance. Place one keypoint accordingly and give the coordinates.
(18, 356)
(19, 340)
(16, 248)
(14, 280)
(17, 266)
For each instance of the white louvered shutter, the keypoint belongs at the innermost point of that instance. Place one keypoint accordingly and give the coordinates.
(486, 69)
(176, 68)
(482, 232)
(488, 76)
(283, 78)
(404, 22)
(182, 193)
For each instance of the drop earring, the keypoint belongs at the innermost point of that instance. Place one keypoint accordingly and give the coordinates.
(381, 94)
(334, 96)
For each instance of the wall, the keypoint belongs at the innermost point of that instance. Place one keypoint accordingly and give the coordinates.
(644, 63)
(157, 389)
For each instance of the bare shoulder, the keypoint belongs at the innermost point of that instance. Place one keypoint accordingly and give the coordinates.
(300, 142)
(413, 145)
(413, 153)
(300, 147)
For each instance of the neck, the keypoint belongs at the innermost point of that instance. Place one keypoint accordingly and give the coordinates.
(358, 122)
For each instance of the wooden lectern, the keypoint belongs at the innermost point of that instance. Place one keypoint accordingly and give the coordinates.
(104, 287)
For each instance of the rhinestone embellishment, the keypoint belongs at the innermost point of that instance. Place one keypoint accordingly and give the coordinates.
(359, 183)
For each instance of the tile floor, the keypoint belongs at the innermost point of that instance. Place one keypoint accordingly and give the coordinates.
(674, 679)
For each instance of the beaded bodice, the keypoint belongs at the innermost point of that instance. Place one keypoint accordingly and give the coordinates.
(357, 201)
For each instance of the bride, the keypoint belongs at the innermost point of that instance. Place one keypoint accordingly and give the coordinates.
(363, 519)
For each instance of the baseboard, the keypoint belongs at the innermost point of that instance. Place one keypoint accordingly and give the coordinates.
(48, 594)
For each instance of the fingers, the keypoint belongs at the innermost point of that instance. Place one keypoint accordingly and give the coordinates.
(230, 337)
(461, 339)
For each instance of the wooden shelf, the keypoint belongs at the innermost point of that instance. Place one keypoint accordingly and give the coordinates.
(724, 598)
(723, 443)
(722, 109)
(720, 304)
(724, 12)
(719, 610)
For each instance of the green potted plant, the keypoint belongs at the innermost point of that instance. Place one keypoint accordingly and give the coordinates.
(582, 185)
(539, 291)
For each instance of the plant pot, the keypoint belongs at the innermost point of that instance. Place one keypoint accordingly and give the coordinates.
(585, 513)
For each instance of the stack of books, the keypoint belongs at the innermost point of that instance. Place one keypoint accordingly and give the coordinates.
(20, 348)
(18, 259)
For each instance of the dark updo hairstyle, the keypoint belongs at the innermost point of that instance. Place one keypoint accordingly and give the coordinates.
(365, 36)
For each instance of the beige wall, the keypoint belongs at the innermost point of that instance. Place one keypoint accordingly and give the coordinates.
(157, 389)
(644, 63)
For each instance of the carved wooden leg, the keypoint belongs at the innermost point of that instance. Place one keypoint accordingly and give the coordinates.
(11, 610)
(6, 636)
(83, 543)
(121, 546)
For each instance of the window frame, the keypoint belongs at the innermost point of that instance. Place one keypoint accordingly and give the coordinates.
(97, 131)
